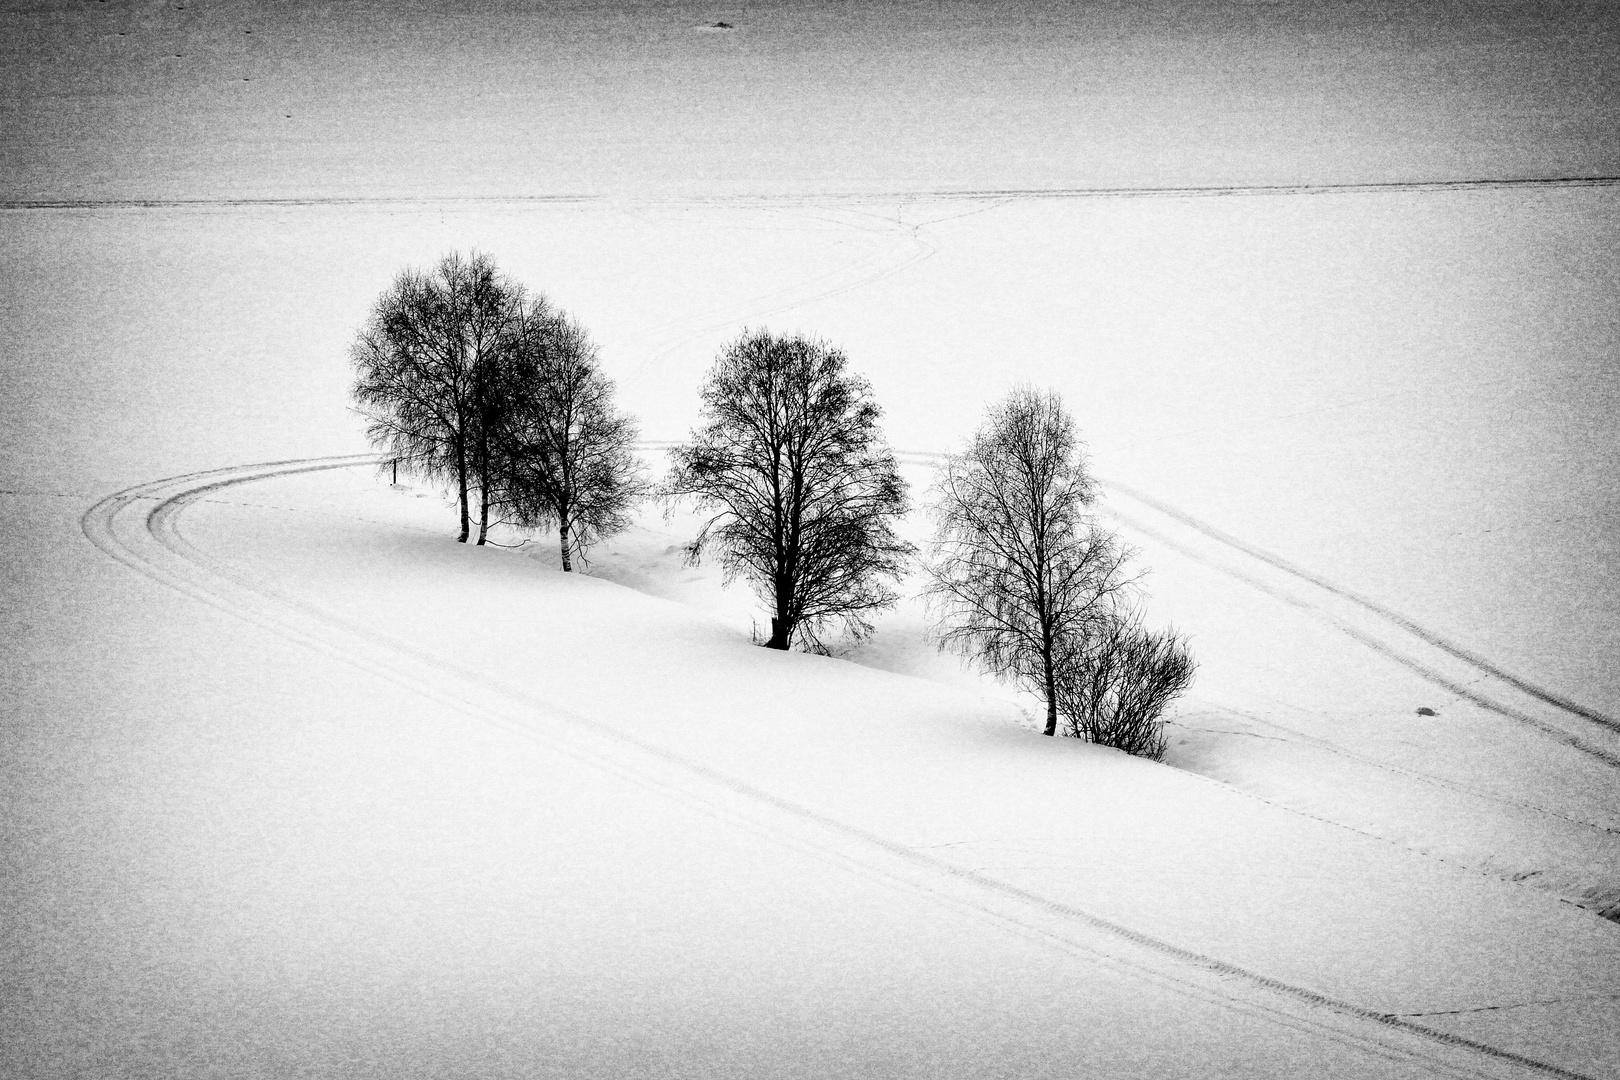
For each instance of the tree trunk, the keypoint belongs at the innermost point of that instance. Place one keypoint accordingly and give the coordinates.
(781, 633)
(461, 482)
(1051, 690)
(483, 462)
(1051, 704)
(562, 535)
(782, 622)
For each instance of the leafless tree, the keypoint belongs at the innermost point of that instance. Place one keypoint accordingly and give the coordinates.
(1115, 692)
(425, 373)
(1020, 573)
(563, 452)
(804, 489)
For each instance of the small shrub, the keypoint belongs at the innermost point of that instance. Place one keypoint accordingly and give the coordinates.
(1113, 690)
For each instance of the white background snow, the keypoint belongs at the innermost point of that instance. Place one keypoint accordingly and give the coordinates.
(301, 787)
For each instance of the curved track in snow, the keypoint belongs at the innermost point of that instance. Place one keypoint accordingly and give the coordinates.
(141, 528)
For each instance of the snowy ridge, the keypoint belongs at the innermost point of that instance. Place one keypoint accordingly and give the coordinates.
(141, 528)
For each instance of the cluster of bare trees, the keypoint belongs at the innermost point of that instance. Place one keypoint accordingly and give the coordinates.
(467, 380)
(1022, 577)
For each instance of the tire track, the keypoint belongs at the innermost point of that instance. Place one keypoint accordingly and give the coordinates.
(1370, 641)
(1401, 652)
(140, 527)
(1514, 697)
(1429, 637)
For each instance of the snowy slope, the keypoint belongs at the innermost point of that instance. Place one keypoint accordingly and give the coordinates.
(1131, 878)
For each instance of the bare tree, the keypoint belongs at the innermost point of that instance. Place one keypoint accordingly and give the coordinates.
(1020, 573)
(425, 373)
(564, 455)
(805, 491)
(1115, 692)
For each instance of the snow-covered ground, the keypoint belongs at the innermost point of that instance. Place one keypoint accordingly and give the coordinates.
(293, 784)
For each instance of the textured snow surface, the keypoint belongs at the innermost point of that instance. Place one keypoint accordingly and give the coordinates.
(292, 784)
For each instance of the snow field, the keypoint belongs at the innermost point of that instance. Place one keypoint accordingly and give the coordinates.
(226, 861)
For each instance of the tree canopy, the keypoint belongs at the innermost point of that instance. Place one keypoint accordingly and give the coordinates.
(425, 372)
(465, 379)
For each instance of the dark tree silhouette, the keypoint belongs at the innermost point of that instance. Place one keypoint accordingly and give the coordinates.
(563, 452)
(1115, 693)
(425, 373)
(1020, 573)
(805, 491)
